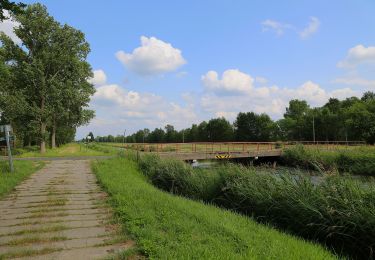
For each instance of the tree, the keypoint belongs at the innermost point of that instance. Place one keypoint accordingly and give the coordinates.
(157, 136)
(170, 134)
(219, 130)
(13, 7)
(295, 114)
(49, 72)
(252, 127)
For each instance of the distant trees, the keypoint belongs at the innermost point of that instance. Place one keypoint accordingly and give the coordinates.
(44, 88)
(352, 119)
(253, 127)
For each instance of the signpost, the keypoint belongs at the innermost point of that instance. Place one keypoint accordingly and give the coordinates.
(7, 129)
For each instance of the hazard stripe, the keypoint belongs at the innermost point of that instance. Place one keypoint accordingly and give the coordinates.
(223, 156)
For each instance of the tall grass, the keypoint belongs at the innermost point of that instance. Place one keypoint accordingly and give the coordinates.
(339, 211)
(360, 161)
(171, 227)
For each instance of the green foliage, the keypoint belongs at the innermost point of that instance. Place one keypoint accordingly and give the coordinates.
(338, 211)
(9, 180)
(170, 227)
(45, 91)
(15, 8)
(252, 127)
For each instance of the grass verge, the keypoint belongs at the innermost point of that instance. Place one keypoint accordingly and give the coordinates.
(10, 180)
(67, 150)
(171, 227)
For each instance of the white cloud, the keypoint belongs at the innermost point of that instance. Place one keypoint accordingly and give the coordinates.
(8, 26)
(279, 28)
(355, 81)
(154, 56)
(358, 55)
(121, 108)
(311, 28)
(232, 81)
(271, 100)
(99, 78)
(275, 26)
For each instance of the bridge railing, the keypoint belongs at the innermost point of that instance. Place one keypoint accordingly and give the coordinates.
(234, 147)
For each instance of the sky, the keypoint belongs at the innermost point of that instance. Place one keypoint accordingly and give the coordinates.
(182, 62)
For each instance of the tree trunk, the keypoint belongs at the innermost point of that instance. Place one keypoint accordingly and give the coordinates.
(43, 125)
(43, 141)
(53, 136)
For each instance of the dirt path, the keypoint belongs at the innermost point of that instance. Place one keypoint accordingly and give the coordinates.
(58, 213)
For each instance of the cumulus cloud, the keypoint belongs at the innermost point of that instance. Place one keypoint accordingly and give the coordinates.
(232, 81)
(271, 100)
(154, 56)
(311, 28)
(118, 109)
(7, 26)
(357, 55)
(99, 78)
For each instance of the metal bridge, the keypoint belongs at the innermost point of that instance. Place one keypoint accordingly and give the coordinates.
(228, 150)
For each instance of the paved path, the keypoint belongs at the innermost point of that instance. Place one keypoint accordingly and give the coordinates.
(58, 213)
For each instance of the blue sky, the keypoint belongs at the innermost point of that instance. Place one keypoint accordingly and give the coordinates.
(203, 59)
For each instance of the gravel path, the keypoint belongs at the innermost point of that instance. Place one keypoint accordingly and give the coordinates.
(58, 213)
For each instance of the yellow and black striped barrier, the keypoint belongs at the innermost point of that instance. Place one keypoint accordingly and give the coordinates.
(223, 156)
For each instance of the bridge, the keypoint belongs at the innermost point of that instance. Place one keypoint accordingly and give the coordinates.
(228, 150)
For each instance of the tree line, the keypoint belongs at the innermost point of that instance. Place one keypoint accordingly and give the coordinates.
(44, 92)
(352, 119)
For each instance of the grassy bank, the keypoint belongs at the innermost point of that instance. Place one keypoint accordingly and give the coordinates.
(170, 227)
(72, 149)
(22, 170)
(339, 212)
(360, 161)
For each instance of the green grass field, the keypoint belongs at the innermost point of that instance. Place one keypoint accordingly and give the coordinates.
(68, 150)
(22, 170)
(171, 227)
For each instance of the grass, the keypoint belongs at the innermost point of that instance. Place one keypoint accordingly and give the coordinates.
(37, 230)
(339, 211)
(29, 253)
(171, 227)
(9, 180)
(34, 239)
(72, 149)
(359, 161)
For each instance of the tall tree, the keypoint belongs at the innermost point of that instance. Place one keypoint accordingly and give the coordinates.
(13, 7)
(53, 69)
(252, 127)
(219, 129)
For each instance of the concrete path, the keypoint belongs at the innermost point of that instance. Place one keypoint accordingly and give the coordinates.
(58, 213)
